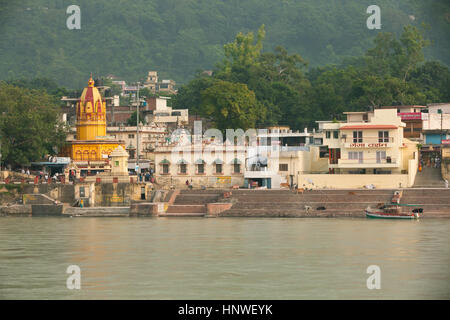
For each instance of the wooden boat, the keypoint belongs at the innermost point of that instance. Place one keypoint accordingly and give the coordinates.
(393, 211)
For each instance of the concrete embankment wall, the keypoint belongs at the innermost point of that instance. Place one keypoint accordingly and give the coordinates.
(331, 203)
(354, 181)
(257, 203)
(98, 212)
(435, 202)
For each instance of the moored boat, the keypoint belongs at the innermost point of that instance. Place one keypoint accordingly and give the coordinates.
(393, 211)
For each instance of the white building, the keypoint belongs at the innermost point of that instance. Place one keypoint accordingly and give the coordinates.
(161, 113)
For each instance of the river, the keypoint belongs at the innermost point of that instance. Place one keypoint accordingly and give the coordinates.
(223, 258)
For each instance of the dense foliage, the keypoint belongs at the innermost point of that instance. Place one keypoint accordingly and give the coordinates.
(392, 72)
(29, 125)
(179, 37)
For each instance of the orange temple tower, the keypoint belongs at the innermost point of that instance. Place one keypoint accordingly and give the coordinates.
(92, 144)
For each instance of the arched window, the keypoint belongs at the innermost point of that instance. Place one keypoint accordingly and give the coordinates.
(93, 155)
(78, 155)
(86, 155)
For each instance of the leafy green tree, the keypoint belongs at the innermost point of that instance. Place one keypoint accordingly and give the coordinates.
(132, 120)
(243, 52)
(29, 125)
(433, 79)
(46, 84)
(231, 105)
(189, 96)
(392, 57)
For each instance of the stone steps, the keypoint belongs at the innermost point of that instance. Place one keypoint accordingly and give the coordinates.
(182, 214)
(426, 200)
(301, 205)
(200, 209)
(196, 198)
(293, 213)
(327, 191)
(303, 199)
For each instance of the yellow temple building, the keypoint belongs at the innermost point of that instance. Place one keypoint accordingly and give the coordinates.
(92, 145)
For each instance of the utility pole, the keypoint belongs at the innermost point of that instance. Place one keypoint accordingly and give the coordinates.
(440, 144)
(137, 132)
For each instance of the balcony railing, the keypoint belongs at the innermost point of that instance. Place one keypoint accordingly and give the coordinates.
(255, 168)
(367, 161)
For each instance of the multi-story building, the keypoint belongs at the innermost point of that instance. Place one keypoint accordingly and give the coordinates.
(167, 86)
(367, 149)
(200, 164)
(412, 116)
(157, 111)
(154, 85)
(280, 155)
(152, 81)
(436, 126)
(435, 133)
(368, 142)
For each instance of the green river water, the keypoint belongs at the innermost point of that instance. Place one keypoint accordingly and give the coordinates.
(223, 258)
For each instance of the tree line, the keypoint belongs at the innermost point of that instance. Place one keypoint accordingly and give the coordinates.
(252, 88)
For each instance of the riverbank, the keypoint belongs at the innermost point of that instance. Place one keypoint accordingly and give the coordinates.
(246, 203)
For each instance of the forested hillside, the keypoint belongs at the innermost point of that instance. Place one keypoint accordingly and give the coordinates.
(178, 37)
(252, 89)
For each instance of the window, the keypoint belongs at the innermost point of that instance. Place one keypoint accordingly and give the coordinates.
(357, 136)
(328, 134)
(383, 136)
(116, 163)
(201, 168)
(356, 155)
(131, 136)
(183, 168)
(237, 168)
(283, 167)
(165, 168)
(218, 168)
(323, 153)
(335, 134)
(381, 156)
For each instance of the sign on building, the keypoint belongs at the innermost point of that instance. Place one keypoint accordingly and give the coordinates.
(410, 115)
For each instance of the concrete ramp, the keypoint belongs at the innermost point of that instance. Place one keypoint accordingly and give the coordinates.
(429, 178)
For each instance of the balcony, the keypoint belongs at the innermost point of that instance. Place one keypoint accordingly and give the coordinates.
(258, 172)
(367, 163)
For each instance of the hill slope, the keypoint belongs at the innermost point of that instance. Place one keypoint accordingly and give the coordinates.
(178, 37)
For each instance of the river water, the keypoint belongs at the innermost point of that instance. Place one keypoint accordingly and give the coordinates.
(223, 258)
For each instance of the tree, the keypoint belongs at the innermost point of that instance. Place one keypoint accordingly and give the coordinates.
(392, 57)
(132, 120)
(243, 52)
(433, 79)
(231, 105)
(189, 96)
(29, 125)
